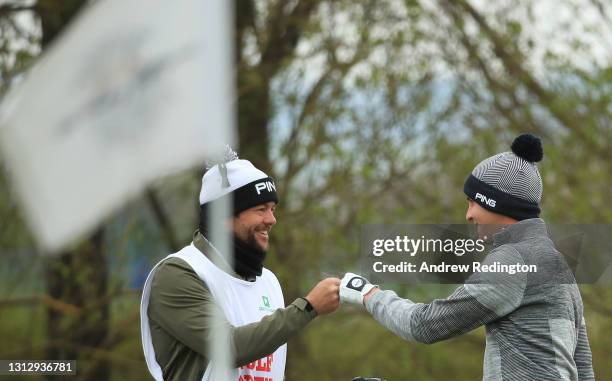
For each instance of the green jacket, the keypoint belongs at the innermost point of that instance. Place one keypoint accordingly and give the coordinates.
(180, 316)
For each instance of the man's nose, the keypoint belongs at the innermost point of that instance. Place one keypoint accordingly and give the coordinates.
(468, 215)
(269, 218)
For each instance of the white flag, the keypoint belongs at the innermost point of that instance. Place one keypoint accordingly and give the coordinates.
(133, 90)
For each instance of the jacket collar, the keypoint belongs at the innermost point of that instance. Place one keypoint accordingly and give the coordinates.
(520, 231)
(204, 246)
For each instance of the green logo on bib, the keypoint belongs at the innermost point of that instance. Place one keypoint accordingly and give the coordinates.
(265, 304)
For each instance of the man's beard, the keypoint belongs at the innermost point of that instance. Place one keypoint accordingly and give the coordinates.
(248, 256)
(252, 241)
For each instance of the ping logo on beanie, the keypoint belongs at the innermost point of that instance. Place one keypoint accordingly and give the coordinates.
(483, 198)
(509, 183)
(267, 185)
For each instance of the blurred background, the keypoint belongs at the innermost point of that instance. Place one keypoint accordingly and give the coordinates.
(365, 111)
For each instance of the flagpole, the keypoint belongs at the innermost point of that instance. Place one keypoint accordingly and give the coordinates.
(219, 351)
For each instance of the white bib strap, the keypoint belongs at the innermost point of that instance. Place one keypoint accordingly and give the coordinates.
(145, 329)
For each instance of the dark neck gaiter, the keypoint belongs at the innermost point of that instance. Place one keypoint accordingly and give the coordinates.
(248, 258)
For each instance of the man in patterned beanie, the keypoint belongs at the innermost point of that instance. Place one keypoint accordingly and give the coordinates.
(505, 188)
(535, 329)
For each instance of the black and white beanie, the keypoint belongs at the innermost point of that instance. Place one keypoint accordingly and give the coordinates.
(509, 183)
(249, 185)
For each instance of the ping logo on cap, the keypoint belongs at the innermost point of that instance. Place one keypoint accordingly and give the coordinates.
(483, 198)
(265, 185)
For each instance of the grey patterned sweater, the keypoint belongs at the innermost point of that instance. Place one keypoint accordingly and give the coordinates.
(534, 322)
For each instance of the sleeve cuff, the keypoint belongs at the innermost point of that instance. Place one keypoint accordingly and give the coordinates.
(372, 300)
(303, 305)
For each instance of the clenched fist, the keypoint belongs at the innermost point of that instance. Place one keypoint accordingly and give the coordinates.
(324, 297)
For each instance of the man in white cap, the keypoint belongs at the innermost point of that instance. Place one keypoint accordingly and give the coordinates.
(535, 328)
(185, 291)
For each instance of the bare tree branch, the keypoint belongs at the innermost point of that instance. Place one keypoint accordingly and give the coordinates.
(512, 58)
(602, 11)
(245, 19)
(496, 85)
(285, 32)
(8, 9)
